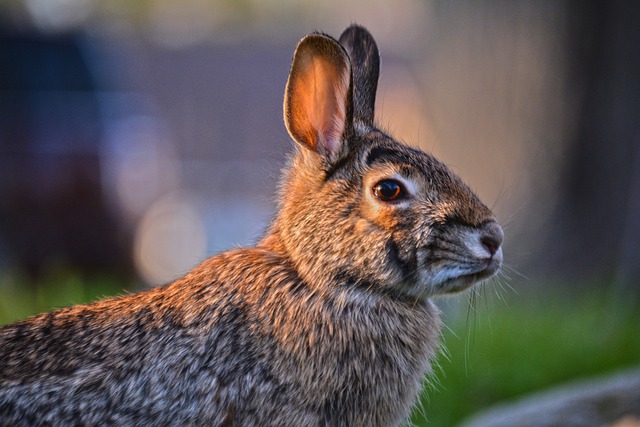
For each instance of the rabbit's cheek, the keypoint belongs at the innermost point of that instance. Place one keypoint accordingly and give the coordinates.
(384, 217)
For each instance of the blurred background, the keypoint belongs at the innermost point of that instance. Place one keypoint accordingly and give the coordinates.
(139, 137)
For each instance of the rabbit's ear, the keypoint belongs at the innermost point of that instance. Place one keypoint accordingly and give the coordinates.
(365, 61)
(317, 102)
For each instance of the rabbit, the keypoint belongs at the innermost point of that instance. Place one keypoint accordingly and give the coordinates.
(328, 320)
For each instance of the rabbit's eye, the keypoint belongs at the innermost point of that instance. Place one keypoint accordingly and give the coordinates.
(387, 190)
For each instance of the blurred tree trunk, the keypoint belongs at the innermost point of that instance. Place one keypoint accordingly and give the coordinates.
(597, 231)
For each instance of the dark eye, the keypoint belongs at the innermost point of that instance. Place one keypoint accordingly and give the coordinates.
(387, 190)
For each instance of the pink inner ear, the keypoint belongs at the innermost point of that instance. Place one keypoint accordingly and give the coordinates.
(318, 104)
(327, 111)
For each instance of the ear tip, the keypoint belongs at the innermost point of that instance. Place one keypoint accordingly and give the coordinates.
(356, 32)
(317, 45)
(361, 47)
(355, 28)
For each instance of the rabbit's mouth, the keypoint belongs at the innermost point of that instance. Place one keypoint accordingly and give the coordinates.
(449, 277)
(465, 281)
(487, 269)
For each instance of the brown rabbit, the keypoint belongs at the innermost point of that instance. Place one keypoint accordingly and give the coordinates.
(326, 321)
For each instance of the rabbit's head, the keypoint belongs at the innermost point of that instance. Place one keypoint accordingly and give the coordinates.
(358, 207)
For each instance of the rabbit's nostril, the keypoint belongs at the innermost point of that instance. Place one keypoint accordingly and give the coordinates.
(490, 243)
(491, 238)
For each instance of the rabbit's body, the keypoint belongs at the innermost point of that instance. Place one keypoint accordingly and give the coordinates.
(327, 321)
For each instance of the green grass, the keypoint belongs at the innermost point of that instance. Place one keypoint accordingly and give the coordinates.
(20, 299)
(526, 345)
(494, 353)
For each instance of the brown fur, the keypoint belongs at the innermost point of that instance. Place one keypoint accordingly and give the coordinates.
(327, 321)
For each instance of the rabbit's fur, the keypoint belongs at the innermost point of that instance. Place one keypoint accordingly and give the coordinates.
(326, 321)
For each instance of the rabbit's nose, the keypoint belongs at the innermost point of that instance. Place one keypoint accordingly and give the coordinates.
(491, 237)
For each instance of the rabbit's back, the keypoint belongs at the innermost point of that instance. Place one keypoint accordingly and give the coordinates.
(165, 356)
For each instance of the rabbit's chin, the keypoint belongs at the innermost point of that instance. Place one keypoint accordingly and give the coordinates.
(452, 279)
(461, 283)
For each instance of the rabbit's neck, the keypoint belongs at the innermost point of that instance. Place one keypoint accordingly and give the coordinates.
(287, 235)
(273, 242)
